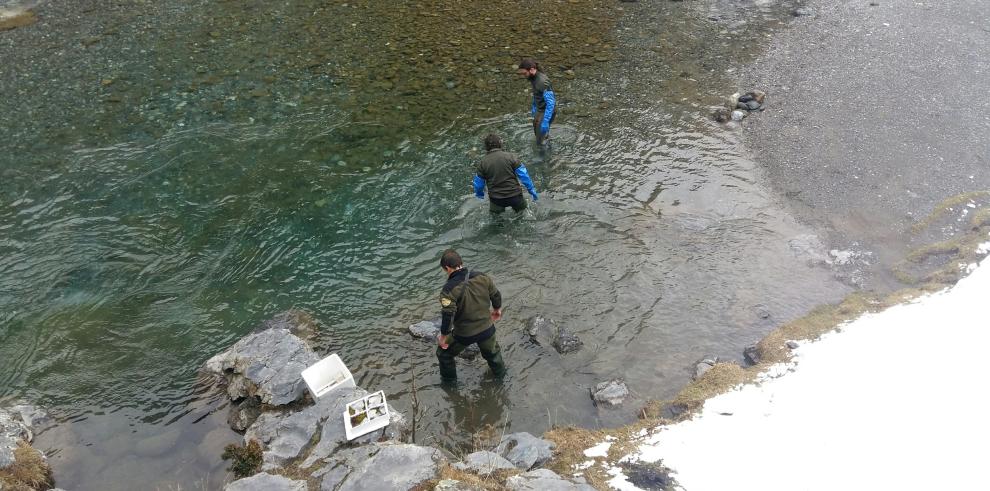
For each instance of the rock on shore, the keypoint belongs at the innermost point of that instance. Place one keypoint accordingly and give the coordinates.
(23, 466)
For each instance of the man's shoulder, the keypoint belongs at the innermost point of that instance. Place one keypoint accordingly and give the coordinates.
(542, 82)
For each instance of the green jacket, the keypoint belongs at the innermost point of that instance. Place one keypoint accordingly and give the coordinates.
(498, 169)
(466, 305)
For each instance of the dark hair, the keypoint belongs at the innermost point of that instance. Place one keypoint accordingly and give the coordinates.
(451, 259)
(527, 63)
(492, 141)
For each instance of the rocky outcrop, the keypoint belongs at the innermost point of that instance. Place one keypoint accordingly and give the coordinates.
(379, 466)
(263, 375)
(24, 467)
(265, 364)
(610, 393)
(524, 450)
(545, 331)
(266, 482)
(483, 463)
(544, 480)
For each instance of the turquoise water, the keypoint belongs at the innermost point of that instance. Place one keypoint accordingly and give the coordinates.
(143, 236)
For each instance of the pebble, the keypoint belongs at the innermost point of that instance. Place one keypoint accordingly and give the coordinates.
(738, 115)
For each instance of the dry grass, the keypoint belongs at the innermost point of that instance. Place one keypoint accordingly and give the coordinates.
(571, 443)
(17, 17)
(494, 482)
(30, 471)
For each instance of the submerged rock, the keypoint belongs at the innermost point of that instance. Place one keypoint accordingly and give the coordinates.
(524, 450)
(752, 354)
(484, 463)
(429, 330)
(13, 18)
(543, 480)
(544, 331)
(243, 414)
(267, 365)
(266, 482)
(610, 393)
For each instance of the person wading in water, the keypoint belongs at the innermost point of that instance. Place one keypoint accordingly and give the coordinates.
(469, 306)
(544, 108)
(504, 175)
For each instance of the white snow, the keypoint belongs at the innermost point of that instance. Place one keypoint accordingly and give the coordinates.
(896, 400)
(600, 450)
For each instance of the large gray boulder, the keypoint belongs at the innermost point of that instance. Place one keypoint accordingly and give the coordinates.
(610, 393)
(266, 364)
(524, 450)
(266, 482)
(13, 429)
(429, 330)
(483, 463)
(332, 434)
(545, 331)
(380, 466)
(543, 480)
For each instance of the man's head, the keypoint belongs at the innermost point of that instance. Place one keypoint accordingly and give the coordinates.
(450, 261)
(492, 141)
(528, 68)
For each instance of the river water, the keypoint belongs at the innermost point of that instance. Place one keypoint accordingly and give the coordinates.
(178, 172)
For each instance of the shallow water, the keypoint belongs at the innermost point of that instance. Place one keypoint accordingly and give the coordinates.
(138, 242)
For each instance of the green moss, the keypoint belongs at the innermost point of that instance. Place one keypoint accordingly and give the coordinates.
(946, 205)
(246, 459)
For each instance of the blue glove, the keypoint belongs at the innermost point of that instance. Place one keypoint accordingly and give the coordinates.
(479, 186)
(523, 176)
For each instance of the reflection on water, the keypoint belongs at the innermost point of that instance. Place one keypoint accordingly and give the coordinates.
(124, 265)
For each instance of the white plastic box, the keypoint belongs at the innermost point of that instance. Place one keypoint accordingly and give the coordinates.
(365, 415)
(326, 375)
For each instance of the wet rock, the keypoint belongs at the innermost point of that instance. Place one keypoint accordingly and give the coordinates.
(738, 115)
(792, 344)
(748, 105)
(704, 365)
(243, 414)
(752, 354)
(610, 393)
(646, 475)
(524, 450)
(483, 463)
(300, 323)
(265, 364)
(381, 466)
(804, 12)
(266, 482)
(543, 480)
(429, 330)
(544, 331)
(722, 114)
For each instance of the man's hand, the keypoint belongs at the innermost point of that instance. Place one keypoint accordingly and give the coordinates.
(443, 341)
(496, 314)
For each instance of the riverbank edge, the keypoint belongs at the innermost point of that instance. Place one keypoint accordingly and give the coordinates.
(957, 254)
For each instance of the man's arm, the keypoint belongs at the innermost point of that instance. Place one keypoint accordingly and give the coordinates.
(532, 111)
(551, 101)
(523, 175)
(496, 297)
(448, 307)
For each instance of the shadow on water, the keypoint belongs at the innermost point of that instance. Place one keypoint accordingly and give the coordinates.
(125, 265)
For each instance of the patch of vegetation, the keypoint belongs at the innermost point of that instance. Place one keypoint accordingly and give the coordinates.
(571, 443)
(30, 471)
(246, 459)
(946, 205)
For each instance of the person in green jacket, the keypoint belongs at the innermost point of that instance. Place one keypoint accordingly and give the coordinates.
(469, 305)
(504, 176)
